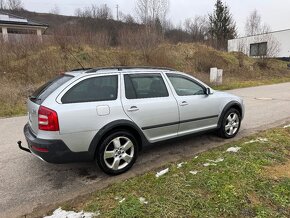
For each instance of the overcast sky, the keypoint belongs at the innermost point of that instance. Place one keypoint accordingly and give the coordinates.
(274, 12)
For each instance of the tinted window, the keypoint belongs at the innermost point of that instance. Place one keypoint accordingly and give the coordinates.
(145, 86)
(44, 91)
(184, 86)
(103, 88)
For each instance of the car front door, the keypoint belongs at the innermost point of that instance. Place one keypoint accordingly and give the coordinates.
(148, 101)
(198, 111)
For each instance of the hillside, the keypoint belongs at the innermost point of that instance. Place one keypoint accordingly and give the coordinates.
(23, 69)
(71, 25)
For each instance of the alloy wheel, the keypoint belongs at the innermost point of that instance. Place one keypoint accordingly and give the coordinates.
(119, 153)
(232, 124)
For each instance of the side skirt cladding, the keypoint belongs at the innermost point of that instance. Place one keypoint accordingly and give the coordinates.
(117, 125)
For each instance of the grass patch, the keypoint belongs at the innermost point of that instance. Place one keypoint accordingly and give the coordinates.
(235, 84)
(239, 186)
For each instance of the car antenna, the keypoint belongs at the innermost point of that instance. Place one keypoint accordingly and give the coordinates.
(77, 60)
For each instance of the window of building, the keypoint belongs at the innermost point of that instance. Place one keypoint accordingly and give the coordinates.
(258, 49)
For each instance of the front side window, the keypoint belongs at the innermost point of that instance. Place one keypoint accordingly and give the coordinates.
(185, 86)
(139, 86)
(102, 88)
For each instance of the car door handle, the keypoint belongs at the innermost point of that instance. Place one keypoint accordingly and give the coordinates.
(133, 108)
(184, 103)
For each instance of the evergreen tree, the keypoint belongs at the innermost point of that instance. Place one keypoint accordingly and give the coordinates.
(222, 25)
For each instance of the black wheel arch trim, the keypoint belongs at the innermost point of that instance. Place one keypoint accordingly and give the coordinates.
(229, 105)
(118, 124)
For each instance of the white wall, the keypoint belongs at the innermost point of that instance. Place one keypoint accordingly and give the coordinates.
(279, 41)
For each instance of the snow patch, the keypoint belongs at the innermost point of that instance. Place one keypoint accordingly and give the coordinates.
(122, 200)
(143, 200)
(162, 172)
(181, 164)
(217, 160)
(209, 164)
(285, 127)
(60, 213)
(233, 149)
(260, 140)
(193, 172)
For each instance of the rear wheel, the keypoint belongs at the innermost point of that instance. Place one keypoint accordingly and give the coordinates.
(117, 152)
(230, 125)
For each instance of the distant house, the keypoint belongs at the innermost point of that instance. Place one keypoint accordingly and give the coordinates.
(273, 44)
(13, 27)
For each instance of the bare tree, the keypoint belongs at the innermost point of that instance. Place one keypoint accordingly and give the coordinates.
(2, 4)
(127, 18)
(55, 10)
(255, 26)
(15, 5)
(104, 12)
(197, 27)
(150, 10)
(145, 39)
(142, 10)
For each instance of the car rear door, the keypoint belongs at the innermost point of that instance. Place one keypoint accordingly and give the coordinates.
(147, 100)
(89, 104)
(197, 110)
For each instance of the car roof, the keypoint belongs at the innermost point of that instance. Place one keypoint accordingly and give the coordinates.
(77, 72)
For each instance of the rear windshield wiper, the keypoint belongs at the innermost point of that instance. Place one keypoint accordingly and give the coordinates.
(34, 98)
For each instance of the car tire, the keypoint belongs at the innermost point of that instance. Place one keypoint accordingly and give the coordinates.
(117, 153)
(230, 125)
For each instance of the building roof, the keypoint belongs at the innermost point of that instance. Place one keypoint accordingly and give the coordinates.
(260, 34)
(7, 18)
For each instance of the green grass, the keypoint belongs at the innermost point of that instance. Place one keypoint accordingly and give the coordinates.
(251, 83)
(240, 186)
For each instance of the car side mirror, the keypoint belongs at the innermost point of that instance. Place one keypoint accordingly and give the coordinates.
(207, 91)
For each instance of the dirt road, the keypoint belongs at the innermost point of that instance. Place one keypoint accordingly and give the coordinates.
(28, 184)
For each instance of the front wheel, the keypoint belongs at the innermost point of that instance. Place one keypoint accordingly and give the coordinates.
(117, 152)
(230, 125)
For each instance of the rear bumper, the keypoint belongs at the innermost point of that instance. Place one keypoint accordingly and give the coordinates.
(53, 151)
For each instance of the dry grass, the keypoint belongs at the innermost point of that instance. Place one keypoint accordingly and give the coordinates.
(24, 67)
(278, 171)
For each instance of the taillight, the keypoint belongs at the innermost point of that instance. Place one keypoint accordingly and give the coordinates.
(47, 119)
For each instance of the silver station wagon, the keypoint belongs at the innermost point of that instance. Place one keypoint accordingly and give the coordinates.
(108, 115)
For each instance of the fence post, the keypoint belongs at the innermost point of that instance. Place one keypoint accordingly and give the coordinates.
(216, 76)
(39, 34)
(5, 34)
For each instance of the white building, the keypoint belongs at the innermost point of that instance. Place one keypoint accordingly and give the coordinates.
(273, 44)
(16, 28)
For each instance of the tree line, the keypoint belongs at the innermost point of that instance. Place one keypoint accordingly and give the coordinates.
(151, 21)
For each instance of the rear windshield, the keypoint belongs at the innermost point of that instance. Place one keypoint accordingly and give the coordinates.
(44, 91)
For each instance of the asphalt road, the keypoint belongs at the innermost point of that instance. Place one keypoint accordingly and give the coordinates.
(28, 184)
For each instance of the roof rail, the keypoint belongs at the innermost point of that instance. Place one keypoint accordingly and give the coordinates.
(79, 69)
(121, 68)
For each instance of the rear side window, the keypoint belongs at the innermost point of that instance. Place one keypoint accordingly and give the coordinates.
(102, 88)
(139, 86)
(44, 91)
